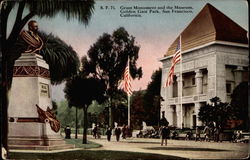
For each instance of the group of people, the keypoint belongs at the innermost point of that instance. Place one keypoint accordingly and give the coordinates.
(209, 132)
(96, 132)
(124, 131)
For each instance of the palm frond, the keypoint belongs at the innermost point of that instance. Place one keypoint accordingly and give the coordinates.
(78, 9)
(62, 59)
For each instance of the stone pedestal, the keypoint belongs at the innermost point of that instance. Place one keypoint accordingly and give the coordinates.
(30, 86)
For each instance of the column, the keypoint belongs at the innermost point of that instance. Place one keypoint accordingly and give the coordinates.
(170, 91)
(198, 79)
(179, 115)
(179, 81)
(196, 109)
(171, 117)
(179, 107)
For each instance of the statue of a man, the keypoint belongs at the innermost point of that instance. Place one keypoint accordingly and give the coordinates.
(31, 37)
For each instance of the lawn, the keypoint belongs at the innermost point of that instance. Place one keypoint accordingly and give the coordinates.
(92, 155)
(85, 154)
(78, 143)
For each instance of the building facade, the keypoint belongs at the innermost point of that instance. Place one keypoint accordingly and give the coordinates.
(214, 61)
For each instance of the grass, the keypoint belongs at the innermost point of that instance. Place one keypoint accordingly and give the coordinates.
(92, 155)
(78, 144)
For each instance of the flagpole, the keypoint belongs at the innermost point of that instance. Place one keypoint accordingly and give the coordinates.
(182, 118)
(128, 97)
(128, 110)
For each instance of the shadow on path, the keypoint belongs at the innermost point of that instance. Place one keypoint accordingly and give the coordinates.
(145, 142)
(186, 149)
(93, 155)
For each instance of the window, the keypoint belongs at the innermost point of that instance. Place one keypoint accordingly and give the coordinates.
(193, 81)
(229, 87)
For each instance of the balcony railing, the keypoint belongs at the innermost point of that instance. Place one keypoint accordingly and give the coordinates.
(187, 99)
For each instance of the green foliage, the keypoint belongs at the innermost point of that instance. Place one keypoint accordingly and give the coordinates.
(80, 91)
(66, 115)
(239, 103)
(217, 112)
(138, 113)
(81, 10)
(120, 107)
(152, 99)
(62, 59)
(107, 58)
(96, 108)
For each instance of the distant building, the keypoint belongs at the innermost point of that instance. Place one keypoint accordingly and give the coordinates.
(214, 61)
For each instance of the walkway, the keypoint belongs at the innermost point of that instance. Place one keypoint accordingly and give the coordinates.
(180, 148)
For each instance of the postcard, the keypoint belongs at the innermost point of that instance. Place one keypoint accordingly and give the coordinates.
(124, 79)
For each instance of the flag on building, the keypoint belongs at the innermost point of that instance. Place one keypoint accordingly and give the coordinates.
(176, 59)
(127, 81)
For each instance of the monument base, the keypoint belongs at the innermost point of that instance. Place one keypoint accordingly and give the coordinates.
(31, 87)
(40, 137)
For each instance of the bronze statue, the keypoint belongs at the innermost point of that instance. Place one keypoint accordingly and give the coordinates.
(31, 37)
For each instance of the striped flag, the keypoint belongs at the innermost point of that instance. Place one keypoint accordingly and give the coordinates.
(127, 81)
(176, 59)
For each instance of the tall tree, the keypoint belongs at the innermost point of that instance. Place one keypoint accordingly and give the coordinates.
(107, 59)
(152, 99)
(80, 91)
(81, 10)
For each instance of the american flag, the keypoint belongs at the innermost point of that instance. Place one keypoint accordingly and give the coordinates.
(127, 81)
(176, 59)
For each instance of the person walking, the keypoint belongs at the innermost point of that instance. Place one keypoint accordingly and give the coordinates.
(217, 131)
(109, 133)
(197, 134)
(206, 132)
(98, 132)
(117, 133)
(124, 132)
(94, 132)
(165, 132)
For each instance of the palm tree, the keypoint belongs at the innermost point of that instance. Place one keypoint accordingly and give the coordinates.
(62, 59)
(80, 10)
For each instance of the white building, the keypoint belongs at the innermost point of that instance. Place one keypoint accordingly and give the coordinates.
(214, 62)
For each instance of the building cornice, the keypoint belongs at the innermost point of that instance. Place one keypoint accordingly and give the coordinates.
(209, 44)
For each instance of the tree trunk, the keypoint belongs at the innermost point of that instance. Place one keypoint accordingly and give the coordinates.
(76, 125)
(8, 67)
(111, 118)
(85, 125)
(4, 105)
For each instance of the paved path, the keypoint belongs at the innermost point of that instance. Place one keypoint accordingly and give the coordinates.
(180, 148)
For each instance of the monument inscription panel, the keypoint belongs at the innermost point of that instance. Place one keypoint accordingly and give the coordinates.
(44, 90)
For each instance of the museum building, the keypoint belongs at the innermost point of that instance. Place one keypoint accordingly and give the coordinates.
(215, 56)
